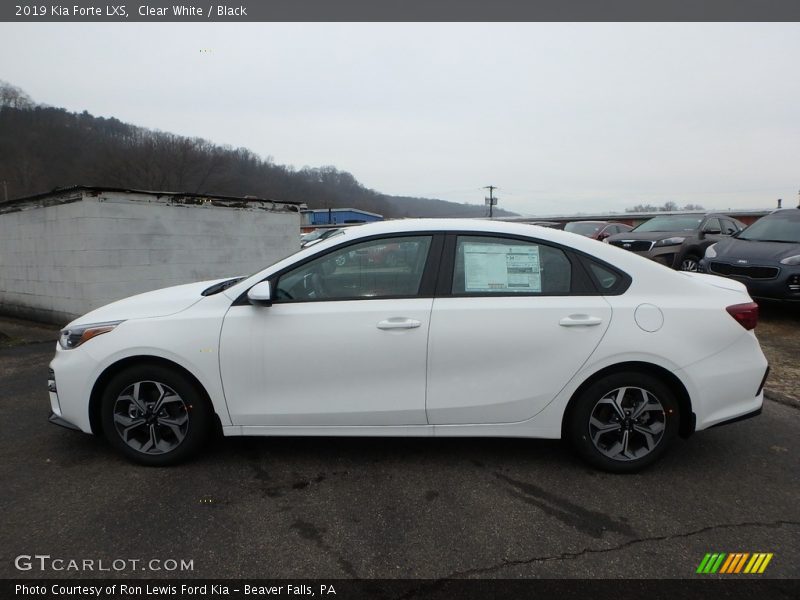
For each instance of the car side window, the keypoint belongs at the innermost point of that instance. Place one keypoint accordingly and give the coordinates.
(728, 227)
(712, 226)
(489, 265)
(606, 278)
(383, 268)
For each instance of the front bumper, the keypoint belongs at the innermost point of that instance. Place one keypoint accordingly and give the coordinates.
(669, 256)
(785, 285)
(69, 387)
(61, 422)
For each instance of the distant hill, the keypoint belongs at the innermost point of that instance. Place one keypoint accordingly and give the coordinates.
(42, 148)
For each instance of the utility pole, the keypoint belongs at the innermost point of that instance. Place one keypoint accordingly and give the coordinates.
(491, 200)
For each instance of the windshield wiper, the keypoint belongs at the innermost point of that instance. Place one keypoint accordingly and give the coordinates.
(222, 285)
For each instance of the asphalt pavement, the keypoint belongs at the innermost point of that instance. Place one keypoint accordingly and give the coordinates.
(393, 508)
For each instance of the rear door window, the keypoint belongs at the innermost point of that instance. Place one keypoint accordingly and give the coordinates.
(490, 265)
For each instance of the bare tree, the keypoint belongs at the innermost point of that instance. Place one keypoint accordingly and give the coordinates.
(13, 97)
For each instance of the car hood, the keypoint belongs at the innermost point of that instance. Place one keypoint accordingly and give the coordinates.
(650, 236)
(158, 303)
(754, 251)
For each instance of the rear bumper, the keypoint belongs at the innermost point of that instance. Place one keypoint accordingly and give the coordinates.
(743, 417)
(729, 385)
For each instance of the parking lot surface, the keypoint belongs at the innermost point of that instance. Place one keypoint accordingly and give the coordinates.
(406, 508)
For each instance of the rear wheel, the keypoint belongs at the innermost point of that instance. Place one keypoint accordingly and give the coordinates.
(624, 422)
(154, 415)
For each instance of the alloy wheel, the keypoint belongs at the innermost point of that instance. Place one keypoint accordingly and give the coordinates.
(689, 264)
(627, 423)
(151, 417)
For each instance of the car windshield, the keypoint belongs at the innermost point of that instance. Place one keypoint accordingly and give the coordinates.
(774, 228)
(583, 228)
(671, 223)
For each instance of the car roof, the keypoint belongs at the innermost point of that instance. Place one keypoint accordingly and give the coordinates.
(411, 226)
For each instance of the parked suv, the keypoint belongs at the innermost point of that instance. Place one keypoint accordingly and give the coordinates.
(765, 257)
(677, 241)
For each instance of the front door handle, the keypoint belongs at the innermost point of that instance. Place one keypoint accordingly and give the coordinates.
(399, 323)
(580, 321)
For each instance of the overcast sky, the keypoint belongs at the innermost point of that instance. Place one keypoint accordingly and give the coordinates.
(562, 117)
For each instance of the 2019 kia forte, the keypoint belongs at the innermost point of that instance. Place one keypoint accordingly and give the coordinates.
(477, 329)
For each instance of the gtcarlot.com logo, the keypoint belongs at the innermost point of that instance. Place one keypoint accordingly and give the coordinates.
(45, 562)
(735, 563)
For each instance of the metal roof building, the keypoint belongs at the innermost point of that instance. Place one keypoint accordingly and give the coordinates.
(65, 252)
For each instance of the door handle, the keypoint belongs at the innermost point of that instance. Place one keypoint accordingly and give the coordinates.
(580, 321)
(399, 323)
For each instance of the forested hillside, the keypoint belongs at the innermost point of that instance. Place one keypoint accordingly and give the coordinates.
(42, 148)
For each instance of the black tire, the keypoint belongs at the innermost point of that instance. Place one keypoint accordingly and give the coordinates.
(593, 417)
(179, 427)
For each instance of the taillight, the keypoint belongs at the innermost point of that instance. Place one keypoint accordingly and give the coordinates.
(746, 314)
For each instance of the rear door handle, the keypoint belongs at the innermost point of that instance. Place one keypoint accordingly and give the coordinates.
(399, 323)
(580, 321)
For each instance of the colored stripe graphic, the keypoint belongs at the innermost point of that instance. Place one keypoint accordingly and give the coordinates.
(734, 563)
(765, 563)
(711, 562)
(715, 567)
(703, 563)
(726, 566)
(740, 564)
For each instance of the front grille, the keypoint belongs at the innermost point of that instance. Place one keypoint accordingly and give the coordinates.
(794, 284)
(741, 271)
(634, 245)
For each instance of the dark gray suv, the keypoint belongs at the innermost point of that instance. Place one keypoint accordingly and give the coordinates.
(677, 241)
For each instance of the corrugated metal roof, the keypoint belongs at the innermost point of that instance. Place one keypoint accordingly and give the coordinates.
(88, 189)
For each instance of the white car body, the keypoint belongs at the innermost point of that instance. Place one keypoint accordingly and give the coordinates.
(465, 366)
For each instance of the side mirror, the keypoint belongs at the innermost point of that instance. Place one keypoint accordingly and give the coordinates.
(603, 235)
(260, 294)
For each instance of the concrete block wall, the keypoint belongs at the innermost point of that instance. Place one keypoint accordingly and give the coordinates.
(58, 262)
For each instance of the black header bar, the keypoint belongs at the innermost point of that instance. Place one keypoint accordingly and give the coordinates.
(156, 11)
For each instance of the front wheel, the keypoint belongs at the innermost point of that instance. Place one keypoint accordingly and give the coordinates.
(623, 422)
(690, 263)
(154, 415)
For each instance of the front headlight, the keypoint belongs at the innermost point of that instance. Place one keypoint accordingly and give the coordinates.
(75, 336)
(791, 260)
(710, 252)
(673, 241)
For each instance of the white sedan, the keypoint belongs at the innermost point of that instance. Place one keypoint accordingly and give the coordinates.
(421, 328)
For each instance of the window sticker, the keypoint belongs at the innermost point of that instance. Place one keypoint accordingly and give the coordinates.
(500, 267)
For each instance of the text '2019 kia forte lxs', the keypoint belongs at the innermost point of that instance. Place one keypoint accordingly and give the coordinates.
(475, 329)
